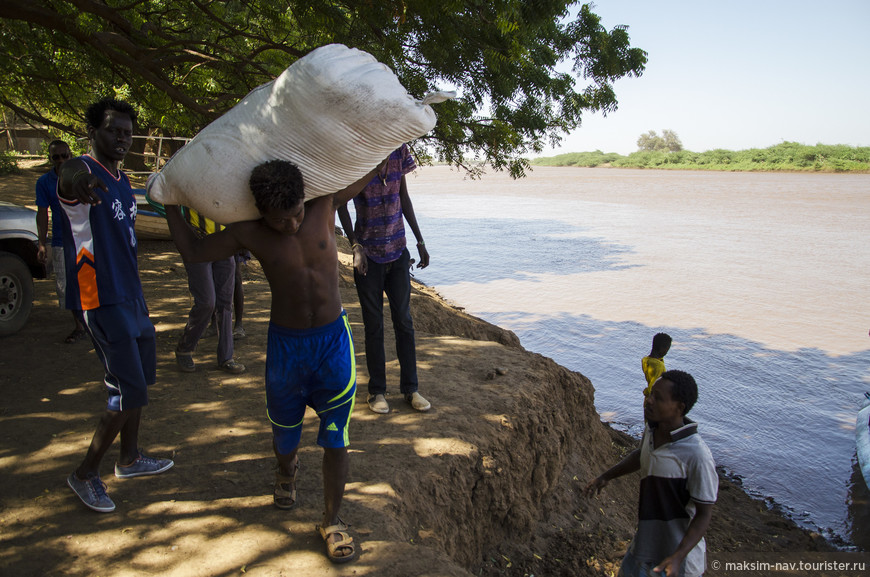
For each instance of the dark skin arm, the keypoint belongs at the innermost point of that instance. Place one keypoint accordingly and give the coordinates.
(42, 231)
(236, 236)
(75, 182)
(670, 566)
(629, 464)
(360, 262)
(408, 211)
(346, 223)
(210, 248)
(340, 198)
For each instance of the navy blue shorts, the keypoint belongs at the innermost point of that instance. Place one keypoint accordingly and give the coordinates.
(126, 343)
(311, 367)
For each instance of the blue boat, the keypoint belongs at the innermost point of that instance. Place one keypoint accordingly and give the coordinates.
(150, 220)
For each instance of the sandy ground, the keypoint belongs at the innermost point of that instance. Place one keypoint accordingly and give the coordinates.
(487, 483)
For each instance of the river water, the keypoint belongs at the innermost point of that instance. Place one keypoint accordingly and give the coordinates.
(761, 280)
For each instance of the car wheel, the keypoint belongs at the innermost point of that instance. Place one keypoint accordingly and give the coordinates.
(16, 293)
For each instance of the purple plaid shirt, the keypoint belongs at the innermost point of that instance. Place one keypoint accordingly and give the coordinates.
(380, 226)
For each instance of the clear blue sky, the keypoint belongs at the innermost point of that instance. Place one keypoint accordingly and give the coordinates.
(739, 74)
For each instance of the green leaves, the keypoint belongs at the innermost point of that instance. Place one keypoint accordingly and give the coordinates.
(186, 63)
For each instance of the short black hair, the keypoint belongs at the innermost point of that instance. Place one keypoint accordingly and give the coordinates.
(684, 389)
(96, 112)
(58, 142)
(276, 184)
(661, 341)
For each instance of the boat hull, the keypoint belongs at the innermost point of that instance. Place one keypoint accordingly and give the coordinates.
(150, 224)
(862, 440)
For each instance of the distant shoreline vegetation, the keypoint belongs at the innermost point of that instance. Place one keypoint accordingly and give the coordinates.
(784, 157)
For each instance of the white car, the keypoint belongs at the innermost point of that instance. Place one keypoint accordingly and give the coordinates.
(18, 265)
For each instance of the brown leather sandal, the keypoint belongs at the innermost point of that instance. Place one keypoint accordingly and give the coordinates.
(284, 497)
(345, 542)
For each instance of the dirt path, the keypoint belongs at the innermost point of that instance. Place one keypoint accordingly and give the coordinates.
(487, 483)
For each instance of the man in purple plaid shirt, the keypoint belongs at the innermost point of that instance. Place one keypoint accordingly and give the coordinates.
(382, 265)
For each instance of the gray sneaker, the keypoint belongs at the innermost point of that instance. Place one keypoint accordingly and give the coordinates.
(233, 367)
(142, 466)
(418, 402)
(185, 362)
(378, 404)
(92, 492)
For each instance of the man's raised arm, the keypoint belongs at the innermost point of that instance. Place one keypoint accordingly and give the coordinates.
(341, 197)
(76, 182)
(210, 248)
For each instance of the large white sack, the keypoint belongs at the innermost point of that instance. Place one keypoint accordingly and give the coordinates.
(335, 113)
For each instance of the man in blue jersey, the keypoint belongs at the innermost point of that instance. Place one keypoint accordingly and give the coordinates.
(104, 290)
(46, 198)
(381, 264)
(678, 485)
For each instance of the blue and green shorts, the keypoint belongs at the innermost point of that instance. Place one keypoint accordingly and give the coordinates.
(310, 368)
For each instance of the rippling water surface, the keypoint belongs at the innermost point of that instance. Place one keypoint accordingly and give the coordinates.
(761, 279)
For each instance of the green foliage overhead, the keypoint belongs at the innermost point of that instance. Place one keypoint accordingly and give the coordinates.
(786, 156)
(186, 63)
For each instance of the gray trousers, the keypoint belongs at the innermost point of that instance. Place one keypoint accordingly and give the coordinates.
(211, 285)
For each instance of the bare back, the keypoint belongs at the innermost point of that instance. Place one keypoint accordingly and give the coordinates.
(302, 268)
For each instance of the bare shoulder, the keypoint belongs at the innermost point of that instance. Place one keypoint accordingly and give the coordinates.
(246, 226)
(326, 200)
(325, 205)
(247, 232)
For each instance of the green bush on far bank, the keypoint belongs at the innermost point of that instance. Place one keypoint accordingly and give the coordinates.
(585, 159)
(786, 156)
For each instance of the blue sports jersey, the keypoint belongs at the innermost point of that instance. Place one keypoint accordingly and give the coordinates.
(100, 244)
(46, 197)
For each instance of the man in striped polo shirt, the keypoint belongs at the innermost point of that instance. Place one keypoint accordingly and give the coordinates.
(678, 485)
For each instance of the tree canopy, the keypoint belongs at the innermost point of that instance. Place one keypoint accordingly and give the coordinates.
(186, 63)
(668, 141)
